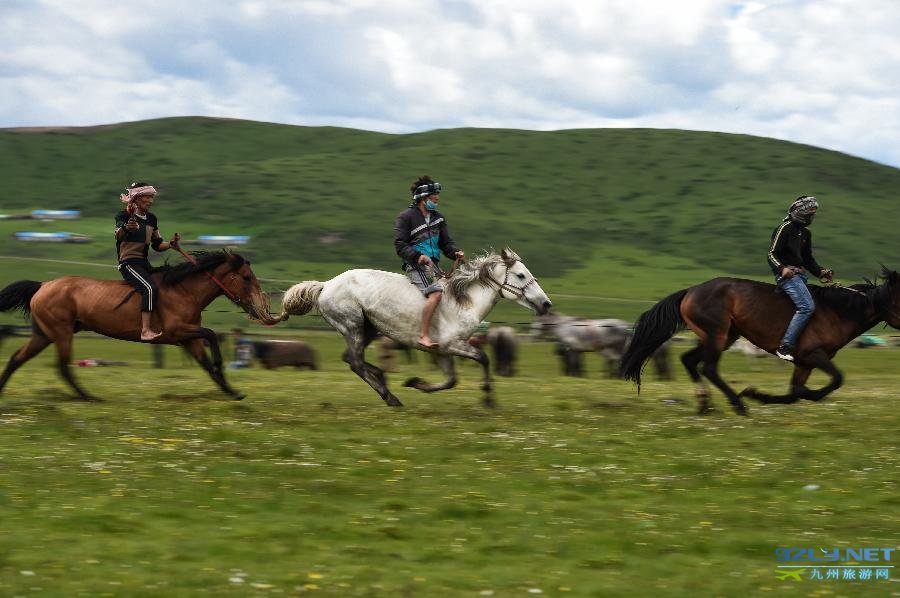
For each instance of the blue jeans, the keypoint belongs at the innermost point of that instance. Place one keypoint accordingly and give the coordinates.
(796, 289)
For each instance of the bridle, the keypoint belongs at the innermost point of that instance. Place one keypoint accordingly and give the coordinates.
(231, 296)
(516, 292)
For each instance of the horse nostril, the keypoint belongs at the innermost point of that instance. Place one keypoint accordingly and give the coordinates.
(547, 305)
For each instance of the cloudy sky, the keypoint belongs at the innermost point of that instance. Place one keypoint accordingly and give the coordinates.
(821, 72)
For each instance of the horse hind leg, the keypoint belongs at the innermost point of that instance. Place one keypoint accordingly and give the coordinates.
(711, 371)
(357, 337)
(691, 361)
(64, 355)
(37, 343)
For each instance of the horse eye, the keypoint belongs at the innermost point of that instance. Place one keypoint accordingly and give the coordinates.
(521, 276)
(246, 278)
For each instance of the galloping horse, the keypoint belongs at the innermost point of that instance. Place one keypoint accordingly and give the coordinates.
(64, 306)
(361, 303)
(722, 309)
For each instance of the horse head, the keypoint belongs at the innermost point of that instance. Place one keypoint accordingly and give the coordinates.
(241, 286)
(518, 284)
(892, 304)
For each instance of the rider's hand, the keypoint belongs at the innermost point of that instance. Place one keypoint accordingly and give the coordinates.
(787, 272)
(826, 274)
(131, 225)
(424, 260)
(460, 254)
(175, 239)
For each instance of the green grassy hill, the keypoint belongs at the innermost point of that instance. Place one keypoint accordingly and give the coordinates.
(622, 213)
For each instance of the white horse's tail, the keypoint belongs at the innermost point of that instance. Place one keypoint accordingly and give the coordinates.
(300, 298)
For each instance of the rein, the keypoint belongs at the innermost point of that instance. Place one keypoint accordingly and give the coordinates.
(442, 274)
(231, 296)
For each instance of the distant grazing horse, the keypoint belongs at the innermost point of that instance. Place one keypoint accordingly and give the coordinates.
(361, 303)
(63, 306)
(505, 345)
(607, 337)
(276, 353)
(722, 309)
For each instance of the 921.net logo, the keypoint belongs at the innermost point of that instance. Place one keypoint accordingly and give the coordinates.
(834, 564)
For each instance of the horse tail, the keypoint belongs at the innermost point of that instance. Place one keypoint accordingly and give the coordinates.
(653, 328)
(300, 299)
(18, 296)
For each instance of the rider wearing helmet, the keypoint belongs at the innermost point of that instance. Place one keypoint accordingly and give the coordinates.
(790, 257)
(420, 235)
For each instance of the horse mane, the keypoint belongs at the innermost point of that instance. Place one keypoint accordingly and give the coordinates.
(854, 300)
(206, 260)
(478, 269)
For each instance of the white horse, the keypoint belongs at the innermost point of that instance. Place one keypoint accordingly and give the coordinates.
(361, 303)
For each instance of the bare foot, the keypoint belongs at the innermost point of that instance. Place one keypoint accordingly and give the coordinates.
(426, 342)
(149, 335)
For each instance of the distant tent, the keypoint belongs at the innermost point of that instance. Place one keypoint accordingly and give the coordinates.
(51, 237)
(223, 239)
(55, 214)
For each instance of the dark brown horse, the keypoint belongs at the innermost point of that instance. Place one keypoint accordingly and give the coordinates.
(722, 309)
(63, 306)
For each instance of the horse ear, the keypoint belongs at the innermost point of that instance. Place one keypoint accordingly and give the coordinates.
(509, 257)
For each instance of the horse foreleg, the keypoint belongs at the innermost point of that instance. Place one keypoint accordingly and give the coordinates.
(464, 349)
(818, 359)
(37, 343)
(195, 348)
(445, 362)
(796, 391)
(64, 354)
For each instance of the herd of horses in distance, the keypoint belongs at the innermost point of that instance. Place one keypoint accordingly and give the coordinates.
(364, 304)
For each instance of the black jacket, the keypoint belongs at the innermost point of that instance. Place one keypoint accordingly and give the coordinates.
(412, 236)
(792, 246)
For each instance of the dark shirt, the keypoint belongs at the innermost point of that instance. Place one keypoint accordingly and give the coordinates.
(414, 237)
(792, 246)
(134, 245)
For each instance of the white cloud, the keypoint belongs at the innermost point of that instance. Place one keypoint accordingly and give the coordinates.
(821, 72)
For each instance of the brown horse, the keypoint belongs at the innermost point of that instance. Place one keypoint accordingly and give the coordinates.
(722, 309)
(61, 307)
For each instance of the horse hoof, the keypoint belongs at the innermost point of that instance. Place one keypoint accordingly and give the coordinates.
(414, 382)
(239, 396)
(393, 402)
(489, 402)
(741, 411)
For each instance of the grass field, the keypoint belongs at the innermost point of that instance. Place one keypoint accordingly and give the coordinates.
(572, 487)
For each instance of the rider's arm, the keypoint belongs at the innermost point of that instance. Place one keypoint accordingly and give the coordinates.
(121, 221)
(779, 238)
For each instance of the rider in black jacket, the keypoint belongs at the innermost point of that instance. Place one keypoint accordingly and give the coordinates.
(790, 257)
(420, 236)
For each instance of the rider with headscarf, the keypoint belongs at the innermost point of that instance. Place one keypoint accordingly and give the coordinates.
(136, 231)
(790, 257)
(420, 236)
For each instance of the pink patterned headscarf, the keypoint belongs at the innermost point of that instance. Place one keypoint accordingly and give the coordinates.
(137, 192)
